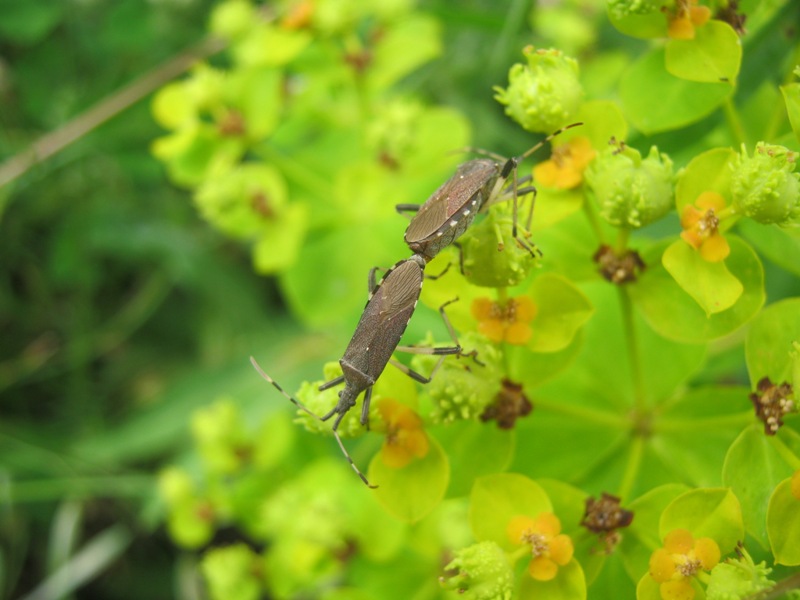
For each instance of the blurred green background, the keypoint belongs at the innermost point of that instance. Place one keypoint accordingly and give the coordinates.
(121, 311)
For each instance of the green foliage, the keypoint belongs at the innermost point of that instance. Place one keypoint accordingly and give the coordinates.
(621, 421)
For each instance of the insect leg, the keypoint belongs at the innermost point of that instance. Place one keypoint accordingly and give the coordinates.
(407, 208)
(332, 383)
(441, 351)
(442, 274)
(365, 407)
(413, 374)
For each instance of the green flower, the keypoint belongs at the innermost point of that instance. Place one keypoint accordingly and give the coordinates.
(492, 257)
(221, 438)
(765, 186)
(544, 94)
(232, 572)
(483, 573)
(632, 192)
(321, 403)
(738, 578)
(462, 388)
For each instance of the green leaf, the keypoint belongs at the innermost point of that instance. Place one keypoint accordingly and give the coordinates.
(173, 105)
(769, 346)
(403, 47)
(568, 584)
(533, 369)
(496, 499)
(411, 492)
(339, 300)
(648, 26)
(675, 314)
(711, 284)
(715, 54)
(648, 589)
(474, 449)
(562, 309)
(30, 22)
(268, 45)
(752, 469)
(791, 95)
(708, 512)
(693, 434)
(655, 101)
(602, 120)
(641, 538)
(257, 93)
(706, 172)
(194, 152)
(779, 245)
(287, 233)
(783, 524)
(554, 205)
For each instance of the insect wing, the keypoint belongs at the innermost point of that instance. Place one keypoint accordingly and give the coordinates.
(470, 178)
(385, 319)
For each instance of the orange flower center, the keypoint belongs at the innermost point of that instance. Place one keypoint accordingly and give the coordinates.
(505, 322)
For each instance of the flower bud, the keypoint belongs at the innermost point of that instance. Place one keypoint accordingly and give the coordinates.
(543, 95)
(462, 388)
(632, 192)
(765, 186)
(739, 577)
(484, 573)
(231, 19)
(242, 201)
(492, 257)
(320, 403)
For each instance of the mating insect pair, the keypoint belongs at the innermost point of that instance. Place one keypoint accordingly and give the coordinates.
(447, 214)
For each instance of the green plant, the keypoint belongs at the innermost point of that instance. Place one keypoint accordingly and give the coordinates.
(601, 438)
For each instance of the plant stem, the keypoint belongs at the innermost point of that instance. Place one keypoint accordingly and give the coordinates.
(634, 354)
(779, 114)
(632, 466)
(623, 235)
(734, 122)
(55, 141)
(590, 415)
(593, 222)
(667, 425)
(779, 590)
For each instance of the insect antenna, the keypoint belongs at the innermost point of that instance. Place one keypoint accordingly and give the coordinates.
(297, 403)
(300, 405)
(546, 140)
(350, 459)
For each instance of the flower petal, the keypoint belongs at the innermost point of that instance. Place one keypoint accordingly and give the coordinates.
(678, 541)
(518, 527)
(518, 334)
(543, 568)
(662, 565)
(715, 248)
(680, 589)
(561, 549)
(707, 552)
(547, 524)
